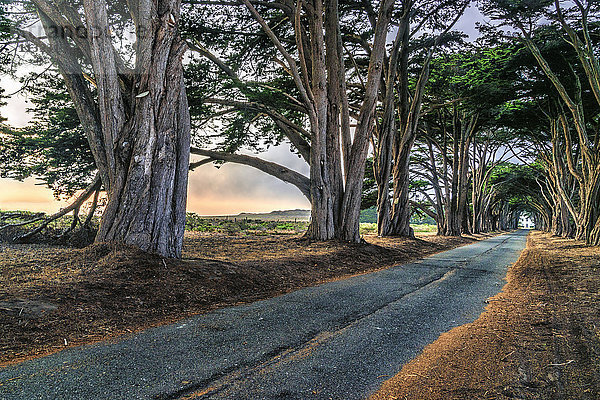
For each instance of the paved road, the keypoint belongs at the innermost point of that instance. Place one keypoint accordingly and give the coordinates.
(339, 340)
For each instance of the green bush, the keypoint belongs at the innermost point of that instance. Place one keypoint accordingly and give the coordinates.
(424, 228)
(368, 228)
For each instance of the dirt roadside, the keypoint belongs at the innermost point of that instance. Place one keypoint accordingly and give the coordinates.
(52, 297)
(538, 339)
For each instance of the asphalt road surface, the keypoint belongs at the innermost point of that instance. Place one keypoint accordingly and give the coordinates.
(338, 340)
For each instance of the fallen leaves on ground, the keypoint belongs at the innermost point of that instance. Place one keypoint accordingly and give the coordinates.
(54, 297)
(539, 339)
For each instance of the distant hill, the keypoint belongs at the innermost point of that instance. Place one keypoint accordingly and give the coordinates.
(368, 215)
(279, 215)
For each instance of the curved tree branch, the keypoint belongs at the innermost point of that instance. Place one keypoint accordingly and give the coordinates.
(273, 169)
(295, 133)
(424, 209)
(74, 206)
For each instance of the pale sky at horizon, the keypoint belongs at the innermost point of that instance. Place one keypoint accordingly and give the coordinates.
(229, 190)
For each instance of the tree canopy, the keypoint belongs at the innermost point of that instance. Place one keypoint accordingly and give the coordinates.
(387, 105)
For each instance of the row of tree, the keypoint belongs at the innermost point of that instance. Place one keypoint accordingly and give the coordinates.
(471, 134)
(544, 113)
(568, 146)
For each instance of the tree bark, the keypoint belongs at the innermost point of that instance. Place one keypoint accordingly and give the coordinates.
(394, 217)
(323, 195)
(146, 130)
(138, 128)
(350, 222)
(386, 136)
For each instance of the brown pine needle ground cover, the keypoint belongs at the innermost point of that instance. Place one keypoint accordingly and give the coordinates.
(54, 297)
(538, 339)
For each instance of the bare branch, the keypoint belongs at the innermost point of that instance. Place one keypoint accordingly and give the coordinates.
(273, 169)
(75, 205)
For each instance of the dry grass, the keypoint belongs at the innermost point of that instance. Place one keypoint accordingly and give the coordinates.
(538, 339)
(54, 297)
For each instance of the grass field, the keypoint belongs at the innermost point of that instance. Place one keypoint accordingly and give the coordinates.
(197, 223)
(367, 229)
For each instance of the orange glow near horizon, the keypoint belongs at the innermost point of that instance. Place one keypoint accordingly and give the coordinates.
(215, 207)
(27, 196)
(220, 198)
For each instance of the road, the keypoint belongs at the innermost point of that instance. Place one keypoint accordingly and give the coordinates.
(338, 340)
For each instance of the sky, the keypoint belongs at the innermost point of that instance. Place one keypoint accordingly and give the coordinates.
(228, 190)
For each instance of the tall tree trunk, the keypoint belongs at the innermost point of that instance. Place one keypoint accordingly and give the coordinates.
(404, 139)
(138, 129)
(146, 129)
(401, 212)
(338, 118)
(324, 199)
(355, 169)
(439, 202)
(382, 170)
(147, 196)
(388, 133)
(566, 225)
(590, 219)
(452, 210)
(394, 218)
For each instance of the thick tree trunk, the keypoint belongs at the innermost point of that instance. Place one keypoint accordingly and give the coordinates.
(435, 182)
(594, 237)
(452, 217)
(388, 133)
(355, 167)
(589, 228)
(350, 222)
(396, 138)
(457, 210)
(382, 170)
(556, 220)
(400, 216)
(322, 223)
(463, 209)
(567, 230)
(399, 224)
(338, 118)
(323, 192)
(147, 199)
(145, 126)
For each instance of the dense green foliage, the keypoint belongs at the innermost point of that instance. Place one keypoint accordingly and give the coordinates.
(53, 147)
(495, 136)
